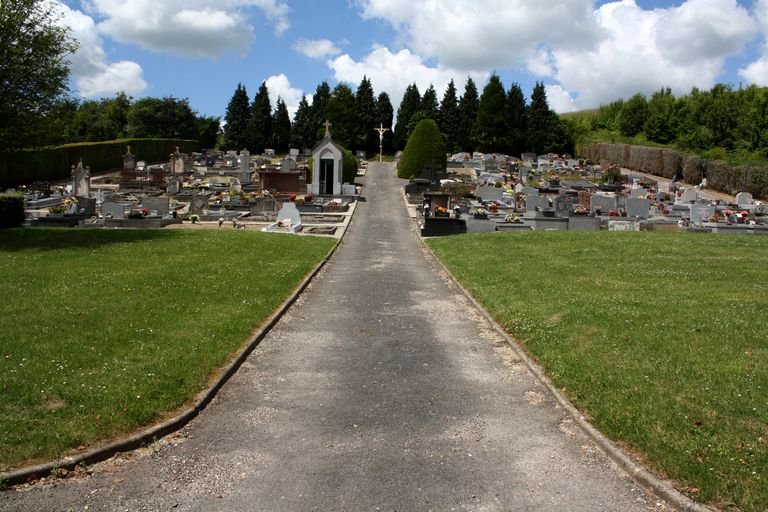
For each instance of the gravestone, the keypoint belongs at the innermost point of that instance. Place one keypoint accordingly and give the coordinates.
(623, 225)
(689, 196)
(585, 199)
(605, 203)
(174, 185)
(638, 192)
(199, 203)
(701, 212)
(744, 199)
(287, 165)
(532, 203)
(177, 162)
(129, 160)
(86, 205)
(245, 167)
(489, 193)
(159, 204)
(113, 209)
(529, 191)
(294, 153)
(81, 180)
(637, 207)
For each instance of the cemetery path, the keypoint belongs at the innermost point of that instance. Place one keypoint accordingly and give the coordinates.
(381, 389)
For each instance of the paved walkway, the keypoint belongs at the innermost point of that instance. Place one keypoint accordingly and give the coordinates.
(382, 389)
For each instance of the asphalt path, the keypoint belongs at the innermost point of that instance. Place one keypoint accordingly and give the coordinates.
(381, 389)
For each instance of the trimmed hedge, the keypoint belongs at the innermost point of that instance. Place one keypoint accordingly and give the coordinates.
(48, 164)
(11, 210)
(668, 162)
(424, 145)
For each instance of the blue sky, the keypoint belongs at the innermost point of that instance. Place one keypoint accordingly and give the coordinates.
(586, 52)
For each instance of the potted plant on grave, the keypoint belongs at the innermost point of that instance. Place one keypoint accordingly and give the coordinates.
(57, 209)
(194, 218)
(581, 211)
(598, 210)
(480, 213)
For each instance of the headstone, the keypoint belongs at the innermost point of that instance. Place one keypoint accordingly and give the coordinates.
(744, 199)
(287, 165)
(199, 203)
(584, 199)
(245, 167)
(689, 196)
(638, 192)
(348, 189)
(605, 203)
(129, 160)
(289, 211)
(112, 209)
(534, 202)
(701, 212)
(489, 193)
(86, 205)
(177, 162)
(174, 185)
(529, 191)
(81, 180)
(294, 153)
(637, 207)
(159, 204)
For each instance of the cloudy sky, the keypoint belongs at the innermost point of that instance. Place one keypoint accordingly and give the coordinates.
(586, 52)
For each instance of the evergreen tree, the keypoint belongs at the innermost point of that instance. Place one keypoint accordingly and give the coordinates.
(342, 113)
(429, 103)
(425, 146)
(281, 127)
(260, 122)
(384, 117)
(539, 120)
(319, 111)
(518, 112)
(410, 104)
(237, 118)
(492, 129)
(367, 138)
(449, 118)
(632, 116)
(301, 135)
(468, 105)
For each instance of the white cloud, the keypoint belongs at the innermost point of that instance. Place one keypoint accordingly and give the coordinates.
(92, 74)
(757, 71)
(559, 99)
(484, 34)
(316, 49)
(280, 86)
(194, 28)
(393, 72)
(645, 50)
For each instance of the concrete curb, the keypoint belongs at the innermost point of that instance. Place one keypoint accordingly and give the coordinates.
(155, 432)
(659, 487)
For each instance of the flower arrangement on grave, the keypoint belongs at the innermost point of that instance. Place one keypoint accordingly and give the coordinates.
(145, 211)
(494, 207)
(613, 213)
(194, 218)
(480, 213)
(498, 184)
(598, 210)
(441, 211)
(292, 197)
(580, 210)
(333, 202)
(300, 199)
(57, 209)
(136, 214)
(512, 218)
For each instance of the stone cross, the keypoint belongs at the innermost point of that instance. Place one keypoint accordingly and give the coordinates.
(327, 125)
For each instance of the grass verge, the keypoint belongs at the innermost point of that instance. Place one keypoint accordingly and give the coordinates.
(103, 331)
(661, 339)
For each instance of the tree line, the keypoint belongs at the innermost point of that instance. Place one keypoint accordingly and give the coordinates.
(719, 121)
(495, 121)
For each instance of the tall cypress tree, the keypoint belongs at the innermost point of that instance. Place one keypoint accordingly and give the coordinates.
(538, 119)
(517, 110)
(319, 111)
(368, 139)
(342, 113)
(281, 127)
(237, 117)
(491, 130)
(429, 103)
(301, 136)
(410, 104)
(468, 105)
(449, 118)
(385, 115)
(260, 125)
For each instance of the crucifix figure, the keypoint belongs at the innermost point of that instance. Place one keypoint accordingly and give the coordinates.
(381, 131)
(327, 125)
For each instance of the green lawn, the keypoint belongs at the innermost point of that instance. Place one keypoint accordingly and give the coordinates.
(661, 339)
(105, 330)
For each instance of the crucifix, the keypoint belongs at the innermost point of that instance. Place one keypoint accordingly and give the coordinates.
(381, 131)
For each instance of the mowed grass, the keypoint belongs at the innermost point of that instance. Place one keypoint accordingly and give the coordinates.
(661, 339)
(104, 331)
